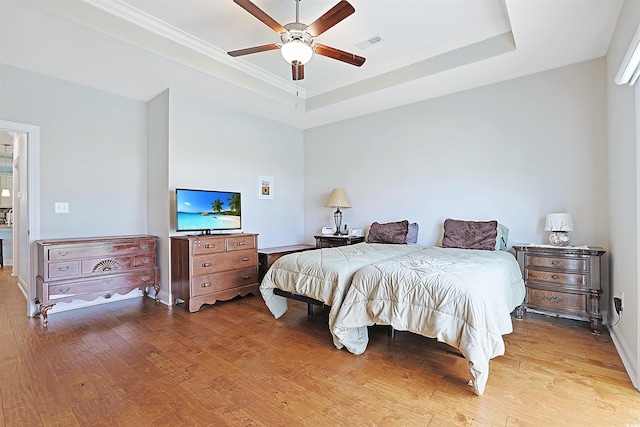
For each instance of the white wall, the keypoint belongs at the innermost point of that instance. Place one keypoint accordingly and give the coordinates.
(92, 153)
(512, 151)
(216, 148)
(624, 119)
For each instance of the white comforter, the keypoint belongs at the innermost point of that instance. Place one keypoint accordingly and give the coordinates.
(323, 274)
(461, 297)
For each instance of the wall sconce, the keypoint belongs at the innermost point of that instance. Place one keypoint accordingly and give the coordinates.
(337, 199)
(559, 224)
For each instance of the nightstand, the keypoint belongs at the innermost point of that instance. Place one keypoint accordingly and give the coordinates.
(267, 256)
(331, 241)
(564, 281)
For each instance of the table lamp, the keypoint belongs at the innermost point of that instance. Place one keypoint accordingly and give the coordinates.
(337, 199)
(559, 224)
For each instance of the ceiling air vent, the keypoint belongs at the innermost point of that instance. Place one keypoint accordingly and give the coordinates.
(370, 41)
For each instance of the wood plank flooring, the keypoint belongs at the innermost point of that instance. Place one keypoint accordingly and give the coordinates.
(138, 363)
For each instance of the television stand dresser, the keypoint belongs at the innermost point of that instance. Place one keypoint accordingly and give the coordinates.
(208, 268)
(89, 268)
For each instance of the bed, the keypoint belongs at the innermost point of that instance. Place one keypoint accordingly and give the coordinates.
(323, 275)
(462, 297)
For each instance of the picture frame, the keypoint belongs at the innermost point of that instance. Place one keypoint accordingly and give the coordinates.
(265, 187)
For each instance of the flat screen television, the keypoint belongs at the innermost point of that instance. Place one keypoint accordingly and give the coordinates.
(207, 210)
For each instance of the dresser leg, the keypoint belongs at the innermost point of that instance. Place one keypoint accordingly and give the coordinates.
(43, 310)
(519, 312)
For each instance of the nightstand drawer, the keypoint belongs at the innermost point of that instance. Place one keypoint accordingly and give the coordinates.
(579, 264)
(557, 301)
(559, 277)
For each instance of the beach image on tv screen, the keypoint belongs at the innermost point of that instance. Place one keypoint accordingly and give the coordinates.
(207, 210)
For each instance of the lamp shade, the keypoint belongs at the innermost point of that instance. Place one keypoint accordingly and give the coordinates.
(559, 222)
(5, 193)
(296, 52)
(338, 199)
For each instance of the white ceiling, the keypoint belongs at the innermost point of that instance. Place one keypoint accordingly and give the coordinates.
(138, 48)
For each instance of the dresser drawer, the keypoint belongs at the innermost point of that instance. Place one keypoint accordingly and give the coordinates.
(557, 301)
(579, 264)
(204, 264)
(63, 269)
(104, 284)
(208, 246)
(559, 277)
(241, 242)
(106, 249)
(216, 282)
(146, 260)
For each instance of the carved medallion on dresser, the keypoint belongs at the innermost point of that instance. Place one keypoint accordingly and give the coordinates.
(89, 268)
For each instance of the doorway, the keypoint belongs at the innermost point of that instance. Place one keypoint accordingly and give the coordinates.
(26, 206)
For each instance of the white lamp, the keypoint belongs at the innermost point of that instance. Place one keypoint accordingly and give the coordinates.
(296, 52)
(559, 224)
(337, 199)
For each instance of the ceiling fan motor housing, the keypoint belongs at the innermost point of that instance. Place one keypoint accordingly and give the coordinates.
(296, 31)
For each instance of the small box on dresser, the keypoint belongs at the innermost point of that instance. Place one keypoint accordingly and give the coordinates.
(88, 268)
(208, 268)
(564, 281)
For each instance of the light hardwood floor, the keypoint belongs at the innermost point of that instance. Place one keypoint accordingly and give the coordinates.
(138, 363)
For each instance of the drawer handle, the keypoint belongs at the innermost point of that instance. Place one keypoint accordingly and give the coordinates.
(555, 277)
(64, 290)
(206, 264)
(245, 259)
(144, 246)
(108, 246)
(555, 262)
(248, 276)
(145, 278)
(107, 295)
(241, 243)
(210, 245)
(555, 299)
(65, 268)
(206, 285)
(108, 280)
(145, 260)
(63, 253)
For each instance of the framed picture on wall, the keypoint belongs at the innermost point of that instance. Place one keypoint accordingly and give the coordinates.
(265, 187)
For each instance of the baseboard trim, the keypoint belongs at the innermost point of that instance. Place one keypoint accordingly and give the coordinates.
(627, 356)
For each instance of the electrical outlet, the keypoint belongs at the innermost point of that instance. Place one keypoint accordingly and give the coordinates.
(61, 207)
(617, 303)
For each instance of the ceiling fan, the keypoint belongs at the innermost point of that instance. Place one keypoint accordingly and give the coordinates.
(298, 44)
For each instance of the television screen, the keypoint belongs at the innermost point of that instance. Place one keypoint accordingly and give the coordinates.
(206, 210)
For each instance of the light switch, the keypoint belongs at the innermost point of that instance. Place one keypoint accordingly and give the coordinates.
(62, 207)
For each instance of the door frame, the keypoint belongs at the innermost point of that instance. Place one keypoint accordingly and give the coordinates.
(28, 284)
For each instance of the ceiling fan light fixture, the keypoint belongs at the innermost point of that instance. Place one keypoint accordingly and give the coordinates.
(296, 52)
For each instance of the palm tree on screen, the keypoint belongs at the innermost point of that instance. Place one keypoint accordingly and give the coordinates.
(234, 203)
(216, 205)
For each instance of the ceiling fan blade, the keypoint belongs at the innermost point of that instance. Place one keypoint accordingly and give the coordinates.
(260, 14)
(297, 72)
(340, 55)
(255, 49)
(336, 14)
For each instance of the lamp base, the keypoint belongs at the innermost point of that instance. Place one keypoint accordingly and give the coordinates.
(559, 238)
(337, 218)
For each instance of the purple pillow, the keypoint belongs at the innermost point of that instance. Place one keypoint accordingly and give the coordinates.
(412, 233)
(470, 234)
(391, 232)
